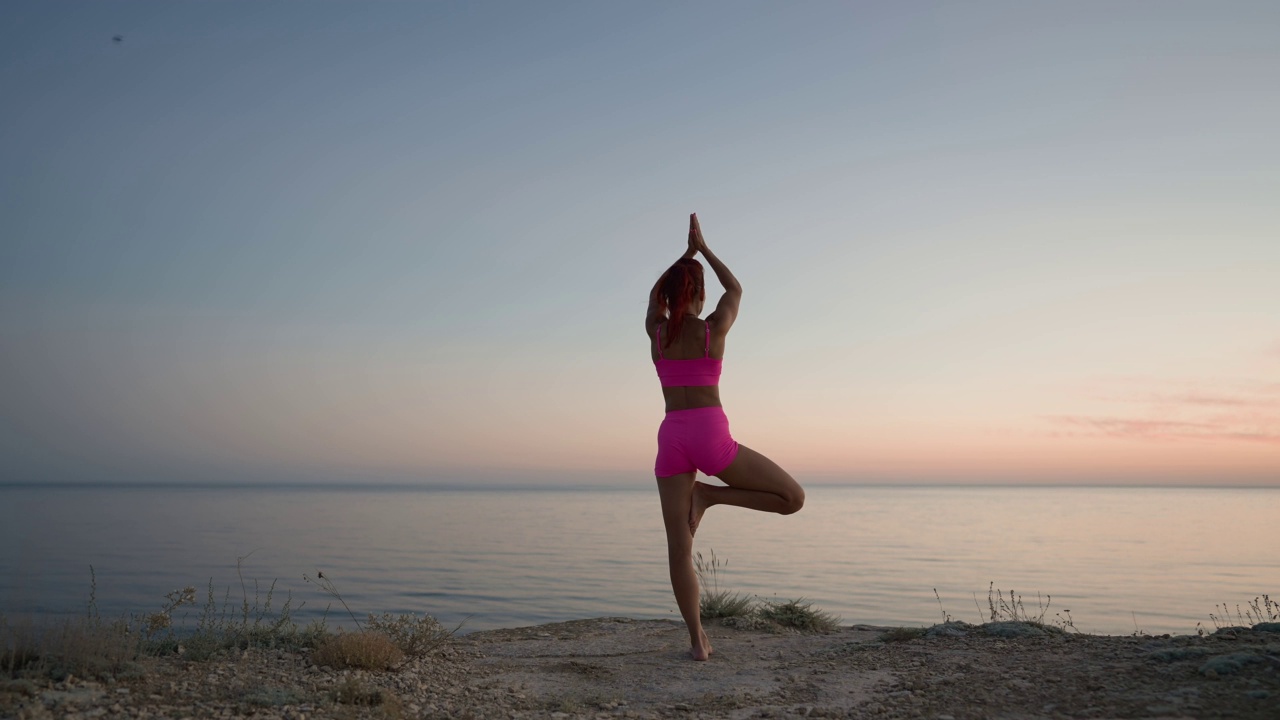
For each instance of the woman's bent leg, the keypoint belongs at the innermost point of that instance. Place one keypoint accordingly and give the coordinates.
(755, 482)
(676, 493)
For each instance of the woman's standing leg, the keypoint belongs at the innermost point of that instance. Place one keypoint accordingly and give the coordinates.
(677, 498)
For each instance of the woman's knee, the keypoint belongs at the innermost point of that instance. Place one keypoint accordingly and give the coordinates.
(794, 499)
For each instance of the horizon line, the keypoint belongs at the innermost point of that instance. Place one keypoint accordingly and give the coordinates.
(501, 487)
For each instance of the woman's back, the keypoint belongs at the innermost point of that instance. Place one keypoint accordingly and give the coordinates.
(689, 367)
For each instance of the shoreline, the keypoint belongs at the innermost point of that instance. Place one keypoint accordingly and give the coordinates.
(628, 668)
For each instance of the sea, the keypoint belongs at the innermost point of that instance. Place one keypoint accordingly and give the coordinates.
(1109, 560)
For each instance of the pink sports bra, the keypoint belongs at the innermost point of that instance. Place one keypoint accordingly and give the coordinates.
(694, 372)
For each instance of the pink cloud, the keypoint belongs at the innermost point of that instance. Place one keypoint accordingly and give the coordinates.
(1211, 400)
(1146, 429)
(1246, 411)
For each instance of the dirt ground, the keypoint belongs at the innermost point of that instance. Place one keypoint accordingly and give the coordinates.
(623, 668)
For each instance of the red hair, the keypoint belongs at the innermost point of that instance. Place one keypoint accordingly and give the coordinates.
(678, 288)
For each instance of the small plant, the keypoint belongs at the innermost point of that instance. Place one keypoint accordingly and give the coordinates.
(93, 595)
(799, 615)
(1259, 610)
(359, 693)
(153, 624)
(365, 650)
(1066, 622)
(946, 616)
(714, 602)
(84, 646)
(415, 636)
(1012, 609)
(222, 627)
(1137, 631)
(80, 646)
(327, 585)
(17, 647)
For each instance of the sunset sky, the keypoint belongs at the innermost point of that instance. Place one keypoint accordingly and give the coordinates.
(412, 242)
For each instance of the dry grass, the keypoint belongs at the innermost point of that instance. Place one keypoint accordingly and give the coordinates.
(365, 650)
(353, 691)
(748, 613)
(362, 694)
(1261, 610)
(84, 647)
(1013, 609)
(415, 636)
(714, 602)
(798, 615)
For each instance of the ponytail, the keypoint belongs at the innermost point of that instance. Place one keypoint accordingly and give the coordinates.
(678, 288)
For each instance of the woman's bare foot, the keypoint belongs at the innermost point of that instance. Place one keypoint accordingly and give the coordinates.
(702, 650)
(706, 642)
(698, 505)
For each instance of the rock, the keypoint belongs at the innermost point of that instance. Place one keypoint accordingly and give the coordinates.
(1010, 629)
(954, 628)
(1179, 653)
(1227, 664)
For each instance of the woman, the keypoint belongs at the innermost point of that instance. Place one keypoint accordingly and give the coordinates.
(688, 353)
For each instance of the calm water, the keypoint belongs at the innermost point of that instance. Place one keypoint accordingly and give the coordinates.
(1157, 560)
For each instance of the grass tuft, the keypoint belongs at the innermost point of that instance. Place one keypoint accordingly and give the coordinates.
(798, 615)
(744, 612)
(223, 627)
(364, 650)
(84, 647)
(414, 636)
(357, 692)
(1010, 608)
(1013, 609)
(714, 602)
(89, 647)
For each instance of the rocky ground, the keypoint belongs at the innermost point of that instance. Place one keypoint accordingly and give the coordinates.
(621, 668)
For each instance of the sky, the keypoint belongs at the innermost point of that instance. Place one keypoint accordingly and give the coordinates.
(990, 242)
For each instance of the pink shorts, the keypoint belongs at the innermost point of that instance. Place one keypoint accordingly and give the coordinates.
(696, 439)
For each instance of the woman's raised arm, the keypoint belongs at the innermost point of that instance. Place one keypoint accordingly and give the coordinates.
(727, 309)
(653, 315)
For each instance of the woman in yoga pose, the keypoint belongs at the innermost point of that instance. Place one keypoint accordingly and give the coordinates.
(688, 353)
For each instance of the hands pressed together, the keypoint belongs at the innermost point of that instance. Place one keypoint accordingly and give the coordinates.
(696, 243)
